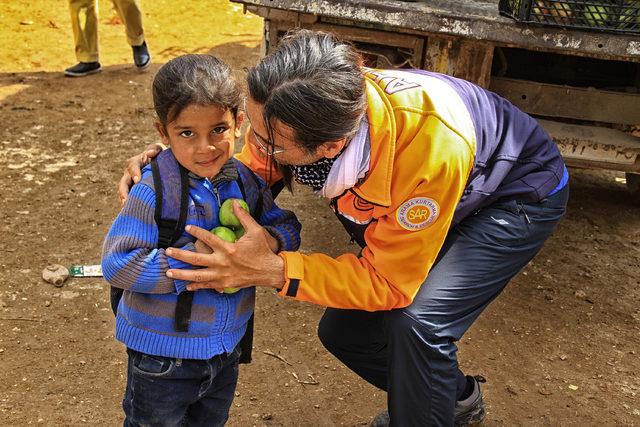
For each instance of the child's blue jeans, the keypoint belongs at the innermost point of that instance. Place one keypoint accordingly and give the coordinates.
(164, 391)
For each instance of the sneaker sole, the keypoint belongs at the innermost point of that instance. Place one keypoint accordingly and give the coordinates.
(474, 418)
(72, 74)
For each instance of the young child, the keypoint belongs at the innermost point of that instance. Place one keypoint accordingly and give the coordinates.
(186, 377)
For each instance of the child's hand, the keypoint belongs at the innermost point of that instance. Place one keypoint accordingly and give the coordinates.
(202, 247)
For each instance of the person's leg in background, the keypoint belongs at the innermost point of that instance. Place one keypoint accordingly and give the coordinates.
(478, 259)
(84, 22)
(131, 15)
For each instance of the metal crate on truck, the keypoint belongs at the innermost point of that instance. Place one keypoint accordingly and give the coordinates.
(608, 15)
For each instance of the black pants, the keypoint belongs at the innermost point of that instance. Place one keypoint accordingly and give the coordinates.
(411, 352)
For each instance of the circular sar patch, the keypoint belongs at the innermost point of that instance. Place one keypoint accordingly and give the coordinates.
(417, 213)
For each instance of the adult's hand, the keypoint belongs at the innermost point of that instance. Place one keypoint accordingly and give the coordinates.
(248, 262)
(132, 172)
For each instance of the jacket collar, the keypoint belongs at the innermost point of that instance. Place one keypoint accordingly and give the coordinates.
(376, 187)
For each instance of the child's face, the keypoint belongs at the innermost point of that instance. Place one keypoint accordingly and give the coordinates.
(202, 137)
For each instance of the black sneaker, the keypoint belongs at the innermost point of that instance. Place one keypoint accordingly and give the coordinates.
(82, 69)
(470, 411)
(141, 56)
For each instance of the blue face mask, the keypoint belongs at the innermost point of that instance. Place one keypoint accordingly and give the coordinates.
(313, 175)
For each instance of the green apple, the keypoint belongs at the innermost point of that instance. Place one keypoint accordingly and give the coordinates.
(630, 15)
(227, 217)
(239, 232)
(225, 234)
(595, 15)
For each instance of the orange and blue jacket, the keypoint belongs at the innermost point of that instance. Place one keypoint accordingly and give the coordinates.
(441, 149)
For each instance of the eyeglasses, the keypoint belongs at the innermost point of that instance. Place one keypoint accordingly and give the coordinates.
(266, 147)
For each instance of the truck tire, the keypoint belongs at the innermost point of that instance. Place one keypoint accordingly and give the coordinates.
(633, 185)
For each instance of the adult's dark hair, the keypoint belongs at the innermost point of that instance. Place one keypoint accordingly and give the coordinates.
(194, 79)
(313, 83)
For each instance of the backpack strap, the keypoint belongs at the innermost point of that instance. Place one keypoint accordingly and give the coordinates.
(183, 311)
(244, 172)
(246, 343)
(171, 183)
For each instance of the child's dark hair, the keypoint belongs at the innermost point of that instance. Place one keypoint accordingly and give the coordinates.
(194, 79)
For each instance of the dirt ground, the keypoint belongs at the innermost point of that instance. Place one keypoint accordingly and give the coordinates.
(559, 347)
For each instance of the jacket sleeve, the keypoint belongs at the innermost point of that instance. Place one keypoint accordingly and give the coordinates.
(130, 258)
(252, 158)
(395, 261)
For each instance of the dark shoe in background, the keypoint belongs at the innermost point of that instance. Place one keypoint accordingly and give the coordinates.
(141, 56)
(82, 69)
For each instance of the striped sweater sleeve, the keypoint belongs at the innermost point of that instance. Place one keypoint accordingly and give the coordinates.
(281, 224)
(130, 258)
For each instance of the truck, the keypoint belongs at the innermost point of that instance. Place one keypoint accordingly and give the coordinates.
(583, 86)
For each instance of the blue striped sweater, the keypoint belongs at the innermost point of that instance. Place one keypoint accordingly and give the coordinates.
(132, 261)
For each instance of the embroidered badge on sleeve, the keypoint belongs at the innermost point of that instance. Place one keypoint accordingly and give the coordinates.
(417, 213)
